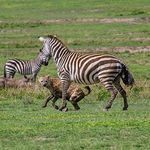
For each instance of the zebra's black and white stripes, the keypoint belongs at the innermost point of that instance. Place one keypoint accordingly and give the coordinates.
(87, 69)
(25, 67)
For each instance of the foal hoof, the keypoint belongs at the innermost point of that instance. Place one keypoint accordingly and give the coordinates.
(43, 106)
(64, 109)
(76, 109)
(107, 108)
(56, 107)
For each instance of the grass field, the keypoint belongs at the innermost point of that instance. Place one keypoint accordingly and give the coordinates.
(117, 27)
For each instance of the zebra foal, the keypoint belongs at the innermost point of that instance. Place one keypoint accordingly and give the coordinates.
(87, 69)
(25, 67)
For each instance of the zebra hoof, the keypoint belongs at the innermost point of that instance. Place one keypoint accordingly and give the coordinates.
(125, 108)
(105, 109)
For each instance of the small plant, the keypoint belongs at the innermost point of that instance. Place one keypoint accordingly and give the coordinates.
(101, 93)
(137, 12)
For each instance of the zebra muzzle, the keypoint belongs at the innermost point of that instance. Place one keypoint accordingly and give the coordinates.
(45, 63)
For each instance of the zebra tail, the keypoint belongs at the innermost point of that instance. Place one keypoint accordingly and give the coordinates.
(88, 90)
(127, 77)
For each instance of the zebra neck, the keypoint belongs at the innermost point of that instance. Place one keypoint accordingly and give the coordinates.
(60, 56)
(37, 62)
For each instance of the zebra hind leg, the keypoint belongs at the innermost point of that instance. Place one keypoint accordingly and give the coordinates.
(123, 93)
(114, 93)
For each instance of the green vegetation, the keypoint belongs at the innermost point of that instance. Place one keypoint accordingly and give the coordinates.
(85, 26)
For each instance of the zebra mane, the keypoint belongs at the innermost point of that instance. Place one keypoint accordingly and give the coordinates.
(51, 36)
(56, 38)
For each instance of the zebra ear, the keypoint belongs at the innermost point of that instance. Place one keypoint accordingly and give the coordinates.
(41, 39)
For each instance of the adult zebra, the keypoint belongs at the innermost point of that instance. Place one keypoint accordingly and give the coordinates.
(25, 67)
(87, 69)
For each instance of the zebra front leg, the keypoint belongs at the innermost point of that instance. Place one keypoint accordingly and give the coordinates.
(113, 96)
(65, 86)
(47, 100)
(25, 77)
(33, 78)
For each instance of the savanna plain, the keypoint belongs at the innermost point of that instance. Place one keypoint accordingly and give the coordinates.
(117, 27)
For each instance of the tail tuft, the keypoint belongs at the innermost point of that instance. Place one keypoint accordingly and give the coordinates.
(127, 77)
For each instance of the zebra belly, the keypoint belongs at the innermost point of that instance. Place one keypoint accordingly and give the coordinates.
(24, 71)
(85, 79)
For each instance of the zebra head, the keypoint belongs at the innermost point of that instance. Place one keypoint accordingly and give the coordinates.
(53, 47)
(44, 59)
(46, 49)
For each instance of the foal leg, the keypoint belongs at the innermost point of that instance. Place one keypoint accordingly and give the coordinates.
(54, 99)
(122, 92)
(33, 78)
(75, 105)
(47, 100)
(53, 103)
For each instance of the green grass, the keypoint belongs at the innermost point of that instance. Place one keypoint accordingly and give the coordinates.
(56, 9)
(26, 125)
(78, 35)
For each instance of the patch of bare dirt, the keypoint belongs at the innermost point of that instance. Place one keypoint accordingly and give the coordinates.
(145, 19)
(90, 20)
(130, 49)
(141, 39)
(96, 20)
(93, 20)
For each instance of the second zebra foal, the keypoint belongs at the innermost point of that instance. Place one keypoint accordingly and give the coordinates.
(25, 67)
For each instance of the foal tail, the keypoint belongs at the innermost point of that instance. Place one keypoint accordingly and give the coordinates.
(127, 77)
